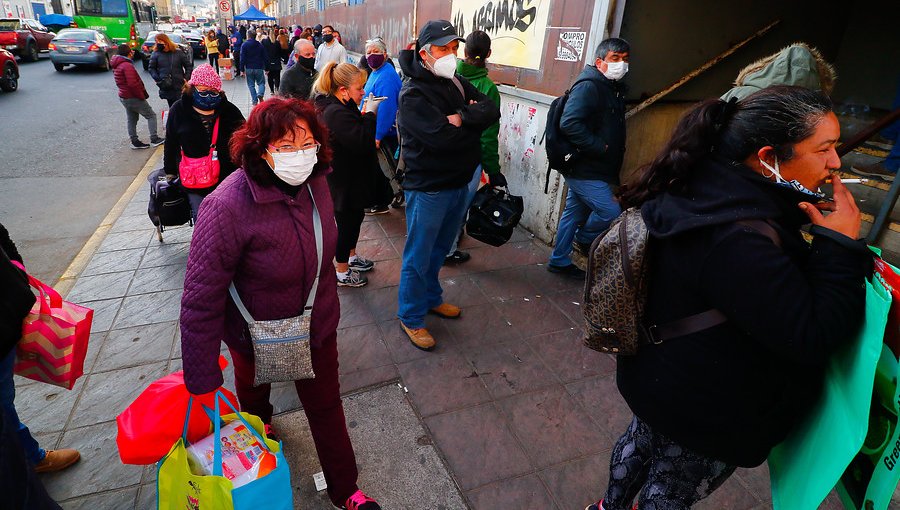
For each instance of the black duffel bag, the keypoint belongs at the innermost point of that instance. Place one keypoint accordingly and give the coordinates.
(494, 215)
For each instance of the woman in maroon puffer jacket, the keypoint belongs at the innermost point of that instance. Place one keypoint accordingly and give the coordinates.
(256, 230)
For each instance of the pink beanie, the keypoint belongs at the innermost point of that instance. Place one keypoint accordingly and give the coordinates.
(204, 75)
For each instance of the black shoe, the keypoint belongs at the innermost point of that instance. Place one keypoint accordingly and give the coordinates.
(571, 271)
(398, 201)
(581, 248)
(353, 279)
(457, 257)
(137, 144)
(378, 209)
(361, 265)
(156, 141)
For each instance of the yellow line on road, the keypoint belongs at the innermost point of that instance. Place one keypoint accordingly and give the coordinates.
(68, 278)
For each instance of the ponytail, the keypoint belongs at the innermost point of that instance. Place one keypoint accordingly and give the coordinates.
(334, 76)
(778, 117)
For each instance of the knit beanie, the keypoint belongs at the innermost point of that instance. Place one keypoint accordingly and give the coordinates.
(204, 75)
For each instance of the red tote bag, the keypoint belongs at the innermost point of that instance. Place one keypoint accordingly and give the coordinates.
(54, 339)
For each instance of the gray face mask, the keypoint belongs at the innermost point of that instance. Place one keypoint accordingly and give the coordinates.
(794, 184)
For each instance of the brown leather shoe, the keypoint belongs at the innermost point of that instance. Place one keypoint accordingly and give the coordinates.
(447, 311)
(57, 460)
(420, 337)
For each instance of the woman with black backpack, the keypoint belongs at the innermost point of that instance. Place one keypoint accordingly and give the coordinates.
(724, 202)
(169, 67)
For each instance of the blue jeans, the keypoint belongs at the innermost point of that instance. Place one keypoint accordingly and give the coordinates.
(256, 82)
(590, 208)
(432, 222)
(471, 188)
(33, 452)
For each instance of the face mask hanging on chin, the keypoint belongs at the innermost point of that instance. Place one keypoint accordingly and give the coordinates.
(794, 184)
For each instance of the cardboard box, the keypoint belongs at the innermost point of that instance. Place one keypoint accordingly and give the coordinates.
(225, 62)
(227, 74)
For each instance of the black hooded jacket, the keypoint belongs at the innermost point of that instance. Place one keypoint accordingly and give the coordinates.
(439, 155)
(733, 391)
(16, 298)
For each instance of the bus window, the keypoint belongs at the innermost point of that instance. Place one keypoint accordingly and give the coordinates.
(101, 8)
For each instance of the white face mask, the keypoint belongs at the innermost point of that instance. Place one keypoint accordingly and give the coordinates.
(616, 70)
(795, 184)
(444, 67)
(293, 167)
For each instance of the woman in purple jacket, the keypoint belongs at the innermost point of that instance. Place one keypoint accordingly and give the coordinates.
(256, 230)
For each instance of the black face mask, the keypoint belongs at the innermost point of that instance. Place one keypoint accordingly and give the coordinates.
(160, 47)
(328, 38)
(307, 62)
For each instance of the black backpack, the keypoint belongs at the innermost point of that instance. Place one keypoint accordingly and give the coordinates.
(561, 153)
(169, 206)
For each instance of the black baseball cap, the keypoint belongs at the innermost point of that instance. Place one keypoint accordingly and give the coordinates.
(438, 32)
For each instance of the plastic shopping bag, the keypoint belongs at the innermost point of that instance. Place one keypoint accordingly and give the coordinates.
(54, 339)
(153, 422)
(807, 465)
(178, 487)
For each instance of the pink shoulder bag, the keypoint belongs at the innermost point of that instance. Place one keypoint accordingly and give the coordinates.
(203, 172)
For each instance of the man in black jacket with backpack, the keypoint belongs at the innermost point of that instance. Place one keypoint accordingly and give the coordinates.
(441, 117)
(593, 121)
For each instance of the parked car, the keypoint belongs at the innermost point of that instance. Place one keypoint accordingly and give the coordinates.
(81, 46)
(195, 38)
(9, 80)
(25, 38)
(150, 44)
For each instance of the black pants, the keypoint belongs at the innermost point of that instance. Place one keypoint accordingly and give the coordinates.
(237, 60)
(348, 223)
(274, 78)
(667, 475)
(384, 194)
(214, 60)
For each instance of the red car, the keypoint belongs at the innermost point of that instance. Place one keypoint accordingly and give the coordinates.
(9, 79)
(24, 37)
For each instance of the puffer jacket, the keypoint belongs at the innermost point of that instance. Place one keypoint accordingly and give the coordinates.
(262, 240)
(174, 63)
(129, 82)
(798, 65)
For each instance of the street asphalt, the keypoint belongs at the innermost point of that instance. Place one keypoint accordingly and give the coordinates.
(66, 160)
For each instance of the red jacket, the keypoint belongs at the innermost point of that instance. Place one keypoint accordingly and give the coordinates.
(130, 84)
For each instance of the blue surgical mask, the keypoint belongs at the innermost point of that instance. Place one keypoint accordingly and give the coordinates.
(207, 100)
(794, 184)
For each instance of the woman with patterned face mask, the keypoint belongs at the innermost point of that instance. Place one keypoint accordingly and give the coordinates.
(383, 82)
(339, 89)
(203, 113)
(742, 312)
(266, 230)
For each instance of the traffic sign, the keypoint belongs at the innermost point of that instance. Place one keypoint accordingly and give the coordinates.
(224, 5)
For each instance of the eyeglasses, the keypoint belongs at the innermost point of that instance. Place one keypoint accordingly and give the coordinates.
(207, 94)
(310, 148)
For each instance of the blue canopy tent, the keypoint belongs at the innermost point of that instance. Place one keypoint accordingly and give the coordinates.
(55, 19)
(253, 14)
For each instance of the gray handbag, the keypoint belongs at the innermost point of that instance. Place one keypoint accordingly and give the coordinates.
(281, 346)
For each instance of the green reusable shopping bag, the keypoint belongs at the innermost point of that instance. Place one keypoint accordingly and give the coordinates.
(806, 466)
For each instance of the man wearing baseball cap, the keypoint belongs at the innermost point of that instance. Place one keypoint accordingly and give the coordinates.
(441, 117)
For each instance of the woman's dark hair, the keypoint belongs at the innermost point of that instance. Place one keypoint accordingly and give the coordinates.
(269, 121)
(478, 45)
(779, 117)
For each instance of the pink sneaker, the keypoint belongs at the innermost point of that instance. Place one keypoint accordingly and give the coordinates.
(359, 501)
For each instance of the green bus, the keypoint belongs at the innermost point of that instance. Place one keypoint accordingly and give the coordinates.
(123, 21)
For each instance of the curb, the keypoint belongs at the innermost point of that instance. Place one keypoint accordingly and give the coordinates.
(70, 275)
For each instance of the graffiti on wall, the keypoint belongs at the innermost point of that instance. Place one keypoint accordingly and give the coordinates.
(518, 135)
(517, 28)
(396, 33)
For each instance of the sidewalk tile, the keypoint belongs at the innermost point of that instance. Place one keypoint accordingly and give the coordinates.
(478, 446)
(402, 350)
(354, 311)
(95, 343)
(600, 398)
(103, 286)
(165, 255)
(175, 235)
(108, 394)
(371, 230)
(381, 302)
(152, 308)
(731, 495)
(462, 291)
(361, 347)
(146, 498)
(481, 325)
(534, 317)
(104, 313)
(45, 408)
(569, 303)
(756, 480)
(114, 261)
(355, 381)
(157, 278)
(385, 274)
(441, 383)
(504, 284)
(136, 346)
(551, 427)
(132, 223)
(394, 224)
(579, 483)
(524, 493)
(377, 250)
(99, 468)
(125, 240)
(547, 283)
(283, 397)
(565, 354)
(116, 499)
(510, 368)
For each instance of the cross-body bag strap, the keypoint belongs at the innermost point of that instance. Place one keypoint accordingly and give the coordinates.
(215, 134)
(317, 228)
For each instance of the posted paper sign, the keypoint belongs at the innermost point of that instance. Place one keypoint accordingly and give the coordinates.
(570, 47)
(517, 28)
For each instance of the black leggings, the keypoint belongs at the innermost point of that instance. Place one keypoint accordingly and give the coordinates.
(348, 223)
(214, 60)
(274, 78)
(667, 475)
